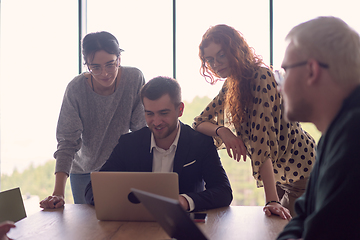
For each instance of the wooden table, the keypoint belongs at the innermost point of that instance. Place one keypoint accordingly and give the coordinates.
(78, 221)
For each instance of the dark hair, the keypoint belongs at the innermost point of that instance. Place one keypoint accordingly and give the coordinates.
(98, 41)
(159, 86)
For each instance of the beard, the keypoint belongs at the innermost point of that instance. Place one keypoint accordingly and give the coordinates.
(299, 111)
(165, 132)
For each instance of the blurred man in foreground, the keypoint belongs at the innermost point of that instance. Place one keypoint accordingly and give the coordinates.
(321, 85)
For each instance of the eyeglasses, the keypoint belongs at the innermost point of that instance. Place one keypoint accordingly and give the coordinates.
(109, 68)
(323, 65)
(279, 75)
(219, 59)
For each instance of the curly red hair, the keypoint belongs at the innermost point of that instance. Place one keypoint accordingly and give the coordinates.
(243, 63)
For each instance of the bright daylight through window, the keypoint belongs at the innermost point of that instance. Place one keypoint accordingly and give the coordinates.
(39, 57)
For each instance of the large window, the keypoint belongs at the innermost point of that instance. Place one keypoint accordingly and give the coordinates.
(39, 57)
(193, 18)
(251, 18)
(288, 14)
(143, 29)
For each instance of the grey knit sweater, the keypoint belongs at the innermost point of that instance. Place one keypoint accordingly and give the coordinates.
(90, 125)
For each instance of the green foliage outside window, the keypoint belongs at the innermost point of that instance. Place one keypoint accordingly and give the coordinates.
(243, 184)
(40, 180)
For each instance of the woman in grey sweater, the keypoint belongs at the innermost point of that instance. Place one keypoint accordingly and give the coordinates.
(97, 108)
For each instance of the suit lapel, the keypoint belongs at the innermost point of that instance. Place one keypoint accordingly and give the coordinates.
(146, 162)
(182, 149)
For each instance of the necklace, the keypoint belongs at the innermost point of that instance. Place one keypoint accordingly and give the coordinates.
(92, 83)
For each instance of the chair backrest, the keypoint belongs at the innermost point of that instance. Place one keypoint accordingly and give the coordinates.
(11, 205)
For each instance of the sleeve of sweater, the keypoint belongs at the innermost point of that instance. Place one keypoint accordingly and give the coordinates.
(137, 118)
(68, 132)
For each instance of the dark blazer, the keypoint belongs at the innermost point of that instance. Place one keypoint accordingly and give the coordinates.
(196, 161)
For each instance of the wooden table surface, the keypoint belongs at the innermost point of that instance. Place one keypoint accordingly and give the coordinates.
(78, 221)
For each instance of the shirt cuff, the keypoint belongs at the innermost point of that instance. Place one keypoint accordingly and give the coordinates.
(190, 201)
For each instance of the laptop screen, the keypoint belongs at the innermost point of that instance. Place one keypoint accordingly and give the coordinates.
(113, 197)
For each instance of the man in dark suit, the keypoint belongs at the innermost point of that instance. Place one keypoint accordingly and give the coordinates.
(167, 145)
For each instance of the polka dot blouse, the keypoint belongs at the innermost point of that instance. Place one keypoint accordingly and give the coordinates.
(265, 133)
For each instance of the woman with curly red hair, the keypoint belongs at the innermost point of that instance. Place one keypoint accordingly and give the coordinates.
(246, 119)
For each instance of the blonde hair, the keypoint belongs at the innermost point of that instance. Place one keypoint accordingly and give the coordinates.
(330, 40)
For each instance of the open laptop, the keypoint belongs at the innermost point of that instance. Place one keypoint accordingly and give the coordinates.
(11, 205)
(170, 215)
(114, 200)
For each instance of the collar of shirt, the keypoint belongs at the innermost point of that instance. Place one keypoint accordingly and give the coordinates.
(163, 160)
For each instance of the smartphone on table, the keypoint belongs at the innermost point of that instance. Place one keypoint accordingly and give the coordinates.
(198, 216)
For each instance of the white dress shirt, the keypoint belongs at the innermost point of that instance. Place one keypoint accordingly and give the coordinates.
(163, 160)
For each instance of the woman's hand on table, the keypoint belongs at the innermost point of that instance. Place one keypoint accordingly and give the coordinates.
(277, 209)
(54, 201)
